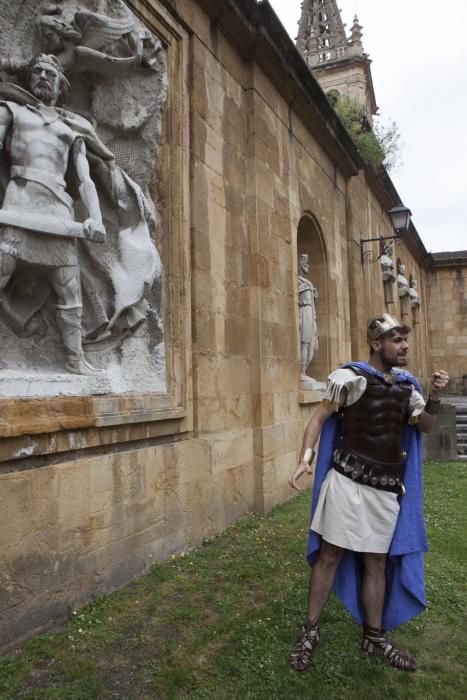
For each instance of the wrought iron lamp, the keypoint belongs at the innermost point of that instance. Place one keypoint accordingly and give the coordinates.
(400, 219)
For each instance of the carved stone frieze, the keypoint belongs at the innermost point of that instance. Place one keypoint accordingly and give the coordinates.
(83, 90)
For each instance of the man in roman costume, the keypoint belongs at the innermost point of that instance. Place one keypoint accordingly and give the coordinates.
(367, 534)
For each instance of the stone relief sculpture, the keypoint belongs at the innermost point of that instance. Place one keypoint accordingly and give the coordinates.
(94, 41)
(81, 279)
(414, 300)
(403, 289)
(36, 219)
(307, 296)
(387, 268)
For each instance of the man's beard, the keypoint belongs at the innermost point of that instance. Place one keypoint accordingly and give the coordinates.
(43, 92)
(397, 361)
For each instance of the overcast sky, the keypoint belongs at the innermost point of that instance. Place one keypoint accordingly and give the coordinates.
(419, 69)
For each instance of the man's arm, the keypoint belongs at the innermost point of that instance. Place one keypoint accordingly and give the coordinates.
(312, 433)
(427, 420)
(93, 226)
(5, 122)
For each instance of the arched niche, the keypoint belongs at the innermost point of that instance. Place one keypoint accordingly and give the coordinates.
(310, 241)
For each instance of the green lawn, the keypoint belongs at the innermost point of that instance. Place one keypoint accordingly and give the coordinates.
(219, 623)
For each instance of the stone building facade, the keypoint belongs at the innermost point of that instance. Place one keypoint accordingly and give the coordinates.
(254, 168)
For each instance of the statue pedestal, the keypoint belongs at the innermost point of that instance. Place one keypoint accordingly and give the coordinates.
(308, 398)
(310, 384)
(28, 384)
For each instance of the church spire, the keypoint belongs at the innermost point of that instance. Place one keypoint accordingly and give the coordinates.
(338, 63)
(321, 33)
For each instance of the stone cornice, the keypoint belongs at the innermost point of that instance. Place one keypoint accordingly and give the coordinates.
(456, 258)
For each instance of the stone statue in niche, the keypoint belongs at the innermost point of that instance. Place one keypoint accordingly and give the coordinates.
(81, 279)
(307, 296)
(387, 267)
(414, 300)
(403, 289)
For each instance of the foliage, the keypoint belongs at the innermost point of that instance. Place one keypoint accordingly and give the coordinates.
(378, 146)
(219, 623)
(389, 138)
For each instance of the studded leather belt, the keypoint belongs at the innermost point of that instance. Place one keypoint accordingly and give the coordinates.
(379, 476)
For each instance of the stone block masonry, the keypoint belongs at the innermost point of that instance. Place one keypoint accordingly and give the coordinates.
(96, 488)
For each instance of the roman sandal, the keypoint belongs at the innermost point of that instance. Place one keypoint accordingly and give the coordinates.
(375, 643)
(300, 658)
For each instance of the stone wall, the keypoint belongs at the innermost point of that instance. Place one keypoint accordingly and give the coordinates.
(448, 317)
(97, 489)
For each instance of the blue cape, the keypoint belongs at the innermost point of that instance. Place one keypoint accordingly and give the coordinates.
(405, 593)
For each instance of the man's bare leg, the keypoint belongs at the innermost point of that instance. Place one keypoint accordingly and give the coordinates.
(321, 584)
(375, 642)
(374, 588)
(322, 579)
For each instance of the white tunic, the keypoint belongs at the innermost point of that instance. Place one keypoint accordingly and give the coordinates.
(351, 515)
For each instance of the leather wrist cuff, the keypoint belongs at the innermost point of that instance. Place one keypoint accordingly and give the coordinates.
(432, 406)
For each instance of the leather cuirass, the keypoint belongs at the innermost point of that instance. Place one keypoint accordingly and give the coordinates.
(372, 427)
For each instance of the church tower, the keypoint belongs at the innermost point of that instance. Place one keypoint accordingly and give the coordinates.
(338, 63)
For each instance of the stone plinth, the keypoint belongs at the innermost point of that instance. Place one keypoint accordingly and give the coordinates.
(27, 385)
(310, 397)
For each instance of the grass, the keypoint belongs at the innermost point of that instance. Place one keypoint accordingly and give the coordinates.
(219, 623)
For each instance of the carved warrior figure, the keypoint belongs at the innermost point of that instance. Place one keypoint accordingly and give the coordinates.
(403, 289)
(37, 220)
(414, 302)
(413, 294)
(307, 296)
(387, 267)
(402, 282)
